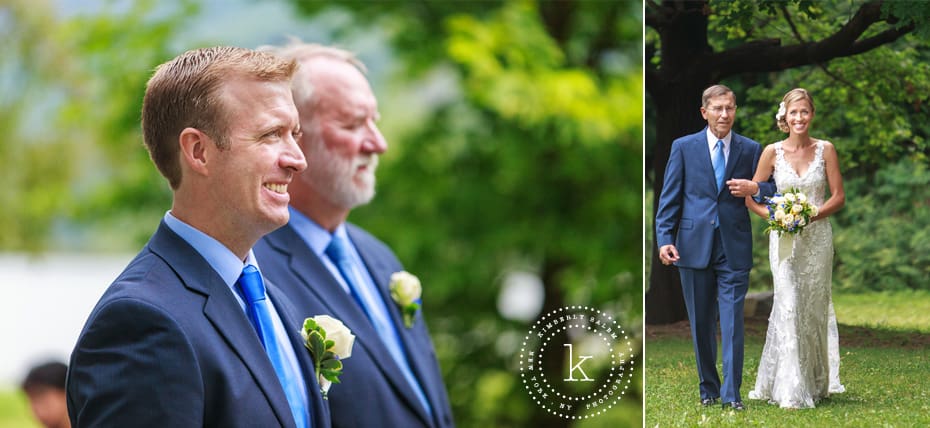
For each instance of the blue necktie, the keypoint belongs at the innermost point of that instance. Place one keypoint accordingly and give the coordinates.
(720, 165)
(376, 311)
(253, 291)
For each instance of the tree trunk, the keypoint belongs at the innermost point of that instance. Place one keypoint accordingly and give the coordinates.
(554, 363)
(677, 103)
(674, 118)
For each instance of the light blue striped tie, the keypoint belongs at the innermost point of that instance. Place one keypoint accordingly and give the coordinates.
(374, 307)
(720, 165)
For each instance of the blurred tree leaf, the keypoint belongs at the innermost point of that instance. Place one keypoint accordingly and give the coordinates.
(36, 149)
(117, 53)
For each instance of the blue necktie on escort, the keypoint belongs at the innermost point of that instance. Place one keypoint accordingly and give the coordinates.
(720, 166)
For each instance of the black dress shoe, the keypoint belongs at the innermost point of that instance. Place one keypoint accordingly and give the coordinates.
(735, 405)
(708, 401)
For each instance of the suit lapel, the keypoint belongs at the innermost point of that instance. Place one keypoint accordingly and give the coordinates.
(381, 273)
(706, 165)
(310, 269)
(224, 312)
(736, 151)
(293, 324)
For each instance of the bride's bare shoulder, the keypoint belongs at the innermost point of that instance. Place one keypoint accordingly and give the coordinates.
(769, 150)
(825, 143)
(828, 147)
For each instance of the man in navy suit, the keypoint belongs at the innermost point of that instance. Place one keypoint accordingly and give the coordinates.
(172, 342)
(393, 377)
(703, 227)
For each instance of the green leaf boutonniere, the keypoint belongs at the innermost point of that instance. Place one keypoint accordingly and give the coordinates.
(406, 290)
(329, 342)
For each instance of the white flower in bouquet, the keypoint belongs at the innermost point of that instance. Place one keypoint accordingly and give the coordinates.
(789, 197)
(796, 209)
(779, 215)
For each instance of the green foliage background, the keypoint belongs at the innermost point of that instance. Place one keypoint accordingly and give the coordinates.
(530, 160)
(874, 107)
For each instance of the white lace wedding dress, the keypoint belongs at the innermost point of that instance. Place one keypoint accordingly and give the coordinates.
(800, 360)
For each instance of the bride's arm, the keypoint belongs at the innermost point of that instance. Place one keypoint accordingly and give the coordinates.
(763, 172)
(835, 180)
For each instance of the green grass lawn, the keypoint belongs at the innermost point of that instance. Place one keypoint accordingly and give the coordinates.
(885, 366)
(899, 310)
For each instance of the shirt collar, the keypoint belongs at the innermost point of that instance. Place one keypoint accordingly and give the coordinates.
(712, 139)
(313, 234)
(220, 258)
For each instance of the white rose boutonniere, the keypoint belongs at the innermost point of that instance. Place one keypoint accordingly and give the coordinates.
(406, 291)
(329, 342)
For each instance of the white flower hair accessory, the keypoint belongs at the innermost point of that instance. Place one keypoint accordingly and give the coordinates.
(781, 111)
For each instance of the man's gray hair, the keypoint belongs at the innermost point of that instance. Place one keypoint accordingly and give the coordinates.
(302, 52)
(715, 91)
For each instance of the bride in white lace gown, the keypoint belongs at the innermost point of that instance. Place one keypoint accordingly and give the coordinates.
(800, 359)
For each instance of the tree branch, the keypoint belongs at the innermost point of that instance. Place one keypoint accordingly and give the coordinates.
(837, 77)
(880, 39)
(764, 56)
(794, 29)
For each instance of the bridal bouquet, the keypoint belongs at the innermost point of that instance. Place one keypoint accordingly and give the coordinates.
(789, 212)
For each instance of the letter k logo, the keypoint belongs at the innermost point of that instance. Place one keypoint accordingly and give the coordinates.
(572, 368)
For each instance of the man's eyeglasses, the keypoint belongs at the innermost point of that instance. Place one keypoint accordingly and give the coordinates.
(720, 109)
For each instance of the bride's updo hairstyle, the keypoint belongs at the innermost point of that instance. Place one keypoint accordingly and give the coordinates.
(793, 95)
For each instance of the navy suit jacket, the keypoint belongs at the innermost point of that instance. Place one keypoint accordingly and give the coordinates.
(169, 346)
(372, 392)
(690, 202)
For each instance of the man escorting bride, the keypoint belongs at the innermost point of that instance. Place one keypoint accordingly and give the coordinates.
(800, 359)
(703, 228)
